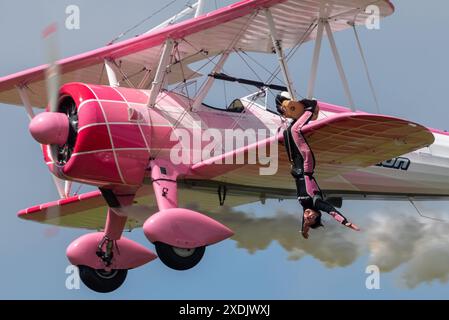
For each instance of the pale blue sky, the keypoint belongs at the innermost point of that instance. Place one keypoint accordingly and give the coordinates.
(408, 62)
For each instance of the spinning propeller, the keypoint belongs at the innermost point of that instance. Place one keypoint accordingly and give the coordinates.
(57, 126)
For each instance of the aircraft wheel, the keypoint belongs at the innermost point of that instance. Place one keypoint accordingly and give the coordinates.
(179, 258)
(101, 280)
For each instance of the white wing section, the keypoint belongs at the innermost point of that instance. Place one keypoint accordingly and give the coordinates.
(240, 26)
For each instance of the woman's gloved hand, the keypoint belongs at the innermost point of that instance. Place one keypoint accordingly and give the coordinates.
(352, 226)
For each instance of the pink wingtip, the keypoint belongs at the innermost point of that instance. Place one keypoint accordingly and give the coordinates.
(50, 29)
(129, 254)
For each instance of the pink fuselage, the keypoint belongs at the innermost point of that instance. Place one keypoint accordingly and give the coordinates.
(118, 135)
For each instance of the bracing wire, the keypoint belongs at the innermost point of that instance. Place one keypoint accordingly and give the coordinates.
(183, 114)
(184, 80)
(273, 74)
(365, 65)
(260, 65)
(78, 189)
(424, 216)
(249, 67)
(300, 42)
(121, 35)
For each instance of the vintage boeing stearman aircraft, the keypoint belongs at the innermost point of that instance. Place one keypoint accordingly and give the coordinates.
(109, 125)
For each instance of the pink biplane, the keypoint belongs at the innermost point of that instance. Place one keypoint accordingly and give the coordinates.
(137, 140)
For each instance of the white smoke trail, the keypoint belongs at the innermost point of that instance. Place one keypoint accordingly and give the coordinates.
(390, 238)
(422, 245)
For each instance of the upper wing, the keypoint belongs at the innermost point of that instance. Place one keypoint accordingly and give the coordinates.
(241, 26)
(341, 143)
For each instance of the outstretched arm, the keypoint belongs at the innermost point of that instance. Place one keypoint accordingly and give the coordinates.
(325, 206)
(342, 219)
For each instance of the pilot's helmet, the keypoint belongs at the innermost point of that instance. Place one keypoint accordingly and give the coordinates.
(281, 97)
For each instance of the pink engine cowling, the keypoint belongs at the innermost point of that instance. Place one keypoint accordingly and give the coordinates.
(109, 138)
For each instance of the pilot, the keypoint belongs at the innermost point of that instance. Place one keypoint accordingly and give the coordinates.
(303, 163)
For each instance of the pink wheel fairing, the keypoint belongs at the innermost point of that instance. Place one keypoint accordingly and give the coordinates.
(129, 255)
(184, 228)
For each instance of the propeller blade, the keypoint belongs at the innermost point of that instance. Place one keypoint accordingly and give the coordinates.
(52, 73)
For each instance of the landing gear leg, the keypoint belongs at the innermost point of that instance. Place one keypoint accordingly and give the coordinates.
(180, 235)
(108, 279)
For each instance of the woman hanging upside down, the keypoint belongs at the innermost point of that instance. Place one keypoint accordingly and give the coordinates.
(303, 163)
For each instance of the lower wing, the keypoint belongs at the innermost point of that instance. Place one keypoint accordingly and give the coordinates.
(88, 211)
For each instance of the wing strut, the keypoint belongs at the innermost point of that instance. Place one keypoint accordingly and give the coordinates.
(200, 8)
(161, 71)
(316, 59)
(365, 65)
(341, 71)
(219, 66)
(210, 81)
(112, 77)
(323, 24)
(278, 48)
(26, 102)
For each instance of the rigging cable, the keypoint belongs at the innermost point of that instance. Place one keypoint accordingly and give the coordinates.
(300, 42)
(424, 216)
(121, 35)
(365, 64)
(185, 112)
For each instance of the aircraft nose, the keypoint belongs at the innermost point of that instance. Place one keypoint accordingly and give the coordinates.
(50, 128)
